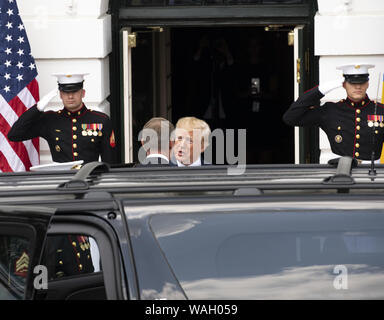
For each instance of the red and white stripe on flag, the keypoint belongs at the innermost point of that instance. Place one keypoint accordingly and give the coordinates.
(18, 156)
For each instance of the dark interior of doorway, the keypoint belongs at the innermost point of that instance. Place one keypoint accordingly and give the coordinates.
(237, 78)
(206, 86)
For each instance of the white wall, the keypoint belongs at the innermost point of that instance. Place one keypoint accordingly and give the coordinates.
(75, 35)
(348, 31)
(70, 36)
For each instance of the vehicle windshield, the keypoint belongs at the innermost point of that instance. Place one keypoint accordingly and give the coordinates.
(314, 254)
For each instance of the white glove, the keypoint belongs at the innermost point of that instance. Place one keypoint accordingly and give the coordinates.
(324, 88)
(42, 104)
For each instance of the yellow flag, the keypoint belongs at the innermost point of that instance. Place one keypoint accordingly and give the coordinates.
(382, 101)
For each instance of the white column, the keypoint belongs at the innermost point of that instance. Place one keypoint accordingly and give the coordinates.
(70, 36)
(346, 32)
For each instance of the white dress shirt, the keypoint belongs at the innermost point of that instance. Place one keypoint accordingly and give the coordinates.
(194, 164)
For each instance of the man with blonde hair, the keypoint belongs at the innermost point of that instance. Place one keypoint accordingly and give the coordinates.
(191, 140)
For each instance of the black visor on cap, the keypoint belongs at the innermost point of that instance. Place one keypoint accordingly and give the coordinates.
(356, 78)
(70, 87)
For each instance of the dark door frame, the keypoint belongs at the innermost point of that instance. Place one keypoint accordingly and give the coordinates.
(219, 16)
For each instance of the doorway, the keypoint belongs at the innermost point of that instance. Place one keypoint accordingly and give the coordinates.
(231, 77)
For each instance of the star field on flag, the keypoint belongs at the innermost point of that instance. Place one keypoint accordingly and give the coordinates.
(18, 88)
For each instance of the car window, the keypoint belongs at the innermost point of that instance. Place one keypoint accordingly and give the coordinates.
(14, 263)
(336, 254)
(71, 255)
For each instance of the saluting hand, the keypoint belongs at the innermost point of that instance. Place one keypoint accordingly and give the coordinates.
(42, 104)
(326, 87)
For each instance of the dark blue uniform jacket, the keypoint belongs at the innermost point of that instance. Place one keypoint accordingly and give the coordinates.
(81, 135)
(353, 129)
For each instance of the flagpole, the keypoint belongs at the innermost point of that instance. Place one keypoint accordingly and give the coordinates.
(382, 92)
(382, 101)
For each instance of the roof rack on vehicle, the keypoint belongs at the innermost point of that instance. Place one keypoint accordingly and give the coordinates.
(343, 173)
(247, 192)
(100, 181)
(78, 182)
(335, 161)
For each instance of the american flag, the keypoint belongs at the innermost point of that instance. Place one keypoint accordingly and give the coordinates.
(19, 89)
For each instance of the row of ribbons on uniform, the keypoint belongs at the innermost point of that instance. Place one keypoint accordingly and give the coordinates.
(92, 129)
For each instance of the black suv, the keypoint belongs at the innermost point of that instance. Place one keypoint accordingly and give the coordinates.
(274, 232)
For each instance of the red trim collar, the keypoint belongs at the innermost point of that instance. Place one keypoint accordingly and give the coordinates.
(358, 105)
(77, 113)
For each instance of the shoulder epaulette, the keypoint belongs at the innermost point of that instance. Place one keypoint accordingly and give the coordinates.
(98, 113)
(52, 112)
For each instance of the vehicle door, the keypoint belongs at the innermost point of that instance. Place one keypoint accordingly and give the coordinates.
(23, 232)
(82, 256)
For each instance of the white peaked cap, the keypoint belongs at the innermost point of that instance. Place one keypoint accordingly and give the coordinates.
(355, 68)
(67, 78)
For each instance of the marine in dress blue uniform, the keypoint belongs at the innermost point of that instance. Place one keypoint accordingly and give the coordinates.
(80, 134)
(68, 255)
(354, 127)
